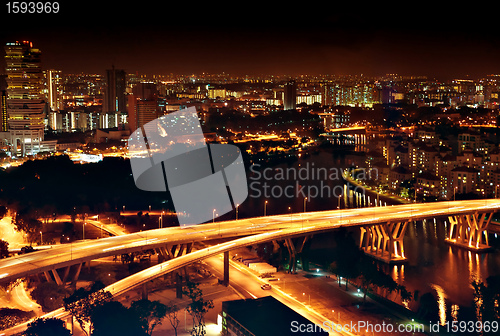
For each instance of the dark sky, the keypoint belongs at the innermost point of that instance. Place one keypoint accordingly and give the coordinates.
(410, 38)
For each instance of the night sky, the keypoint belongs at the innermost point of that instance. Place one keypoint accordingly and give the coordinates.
(409, 38)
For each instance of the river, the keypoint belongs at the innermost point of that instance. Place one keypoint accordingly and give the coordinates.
(433, 266)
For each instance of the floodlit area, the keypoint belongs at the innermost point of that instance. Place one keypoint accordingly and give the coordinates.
(9, 233)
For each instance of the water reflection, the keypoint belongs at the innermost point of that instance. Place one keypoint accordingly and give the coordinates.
(444, 270)
(441, 303)
(433, 265)
(454, 312)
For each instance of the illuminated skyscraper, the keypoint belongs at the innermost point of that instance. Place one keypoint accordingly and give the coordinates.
(115, 100)
(116, 82)
(4, 126)
(53, 81)
(290, 96)
(25, 104)
(141, 111)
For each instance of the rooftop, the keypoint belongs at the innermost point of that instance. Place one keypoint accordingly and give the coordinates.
(266, 316)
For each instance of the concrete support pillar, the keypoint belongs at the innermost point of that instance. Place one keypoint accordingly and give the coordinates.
(292, 253)
(145, 291)
(66, 273)
(470, 231)
(47, 276)
(384, 241)
(225, 282)
(178, 285)
(77, 273)
(57, 278)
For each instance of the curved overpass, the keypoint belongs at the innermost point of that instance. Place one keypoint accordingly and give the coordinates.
(294, 224)
(278, 227)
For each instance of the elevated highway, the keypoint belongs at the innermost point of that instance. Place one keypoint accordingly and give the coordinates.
(245, 232)
(378, 225)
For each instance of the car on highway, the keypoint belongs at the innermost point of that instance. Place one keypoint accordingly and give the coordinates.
(265, 286)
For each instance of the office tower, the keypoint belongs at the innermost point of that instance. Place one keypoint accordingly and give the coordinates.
(145, 91)
(114, 99)
(4, 127)
(25, 104)
(290, 96)
(141, 111)
(53, 80)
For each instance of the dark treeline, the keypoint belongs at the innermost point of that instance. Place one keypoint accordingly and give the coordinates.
(56, 184)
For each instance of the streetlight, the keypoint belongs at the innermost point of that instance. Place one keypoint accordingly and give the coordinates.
(150, 208)
(83, 229)
(213, 216)
(290, 209)
(309, 297)
(237, 205)
(305, 199)
(41, 238)
(71, 247)
(265, 208)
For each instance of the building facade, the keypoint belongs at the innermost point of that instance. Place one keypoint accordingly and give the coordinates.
(26, 107)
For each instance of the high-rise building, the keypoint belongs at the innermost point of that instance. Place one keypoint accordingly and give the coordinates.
(25, 104)
(53, 80)
(290, 96)
(4, 126)
(141, 111)
(115, 99)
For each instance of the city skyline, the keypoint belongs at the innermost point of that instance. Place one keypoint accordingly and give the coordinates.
(174, 166)
(430, 41)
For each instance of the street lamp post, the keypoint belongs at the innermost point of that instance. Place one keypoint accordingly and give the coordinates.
(265, 208)
(309, 297)
(83, 229)
(290, 209)
(41, 238)
(213, 216)
(305, 199)
(237, 205)
(71, 248)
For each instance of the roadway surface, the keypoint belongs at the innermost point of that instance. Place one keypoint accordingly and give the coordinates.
(278, 227)
(291, 225)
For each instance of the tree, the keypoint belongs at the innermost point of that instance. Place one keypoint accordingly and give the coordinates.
(49, 295)
(347, 256)
(9, 317)
(114, 319)
(82, 303)
(197, 308)
(47, 327)
(4, 249)
(486, 298)
(27, 222)
(173, 316)
(150, 313)
(3, 211)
